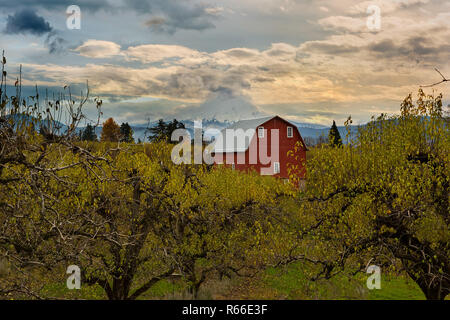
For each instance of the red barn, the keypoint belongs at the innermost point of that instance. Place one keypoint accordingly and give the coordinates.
(271, 146)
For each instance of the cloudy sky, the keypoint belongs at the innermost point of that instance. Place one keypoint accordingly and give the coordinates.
(307, 60)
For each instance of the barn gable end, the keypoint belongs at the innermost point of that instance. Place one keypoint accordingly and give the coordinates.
(233, 154)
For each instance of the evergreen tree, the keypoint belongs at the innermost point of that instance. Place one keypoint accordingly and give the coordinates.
(172, 126)
(334, 137)
(126, 133)
(157, 133)
(46, 132)
(88, 133)
(163, 131)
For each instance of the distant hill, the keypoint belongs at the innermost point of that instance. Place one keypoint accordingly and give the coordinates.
(316, 133)
(307, 130)
(22, 118)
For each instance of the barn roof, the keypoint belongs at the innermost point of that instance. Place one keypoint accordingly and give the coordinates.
(221, 146)
(248, 124)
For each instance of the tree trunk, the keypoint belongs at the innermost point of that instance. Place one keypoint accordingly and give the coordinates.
(433, 290)
(120, 289)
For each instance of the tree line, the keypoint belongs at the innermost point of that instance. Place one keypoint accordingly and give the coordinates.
(112, 132)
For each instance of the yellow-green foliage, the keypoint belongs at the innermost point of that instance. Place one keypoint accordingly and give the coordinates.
(128, 216)
(134, 215)
(384, 196)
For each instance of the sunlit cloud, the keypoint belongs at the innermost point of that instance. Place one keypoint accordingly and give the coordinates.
(348, 70)
(98, 49)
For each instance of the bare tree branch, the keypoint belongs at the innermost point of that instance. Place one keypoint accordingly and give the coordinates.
(444, 79)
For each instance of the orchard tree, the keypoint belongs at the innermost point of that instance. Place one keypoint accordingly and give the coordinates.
(217, 222)
(134, 219)
(384, 198)
(126, 217)
(29, 167)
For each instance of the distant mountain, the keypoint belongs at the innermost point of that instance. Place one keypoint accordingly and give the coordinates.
(57, 126)
(309, 125)
(316, 133)
(310, 130)
(223, 105)
(210, 128)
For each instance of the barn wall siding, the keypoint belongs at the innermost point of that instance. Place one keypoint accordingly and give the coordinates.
(286, 144)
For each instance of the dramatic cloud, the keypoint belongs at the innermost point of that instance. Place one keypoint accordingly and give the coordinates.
(344, 23)
(57, 5)
(332, 67)
(171, 15)
(221, 105)
(166, 16)
(98, 49)
(153, 53)
(27, 21)
(55, 43)
(387, 6)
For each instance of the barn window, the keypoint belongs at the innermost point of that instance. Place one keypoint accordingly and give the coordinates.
(276, 167)
(290, 132)
(260, 132)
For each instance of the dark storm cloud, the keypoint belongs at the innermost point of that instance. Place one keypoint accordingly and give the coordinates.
(54, 43)
(331, 49)
(416, 47)
(55, 5)
(171, 15)
(263, 79)
(421, 46)
(166, 16)
(27, 21)
(383, 46)
(155, 22)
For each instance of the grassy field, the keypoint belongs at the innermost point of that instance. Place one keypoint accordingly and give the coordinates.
(282, 283)
(292, 284)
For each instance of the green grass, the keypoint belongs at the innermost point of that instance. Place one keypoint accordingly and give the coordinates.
(164, 289)
(397, 288)
(161, 290)
(292, 283)
(60, 291)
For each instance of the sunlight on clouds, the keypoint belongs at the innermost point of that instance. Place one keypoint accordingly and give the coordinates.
(387, 6)
(98, 49)
(153, 53)
(349, 65)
